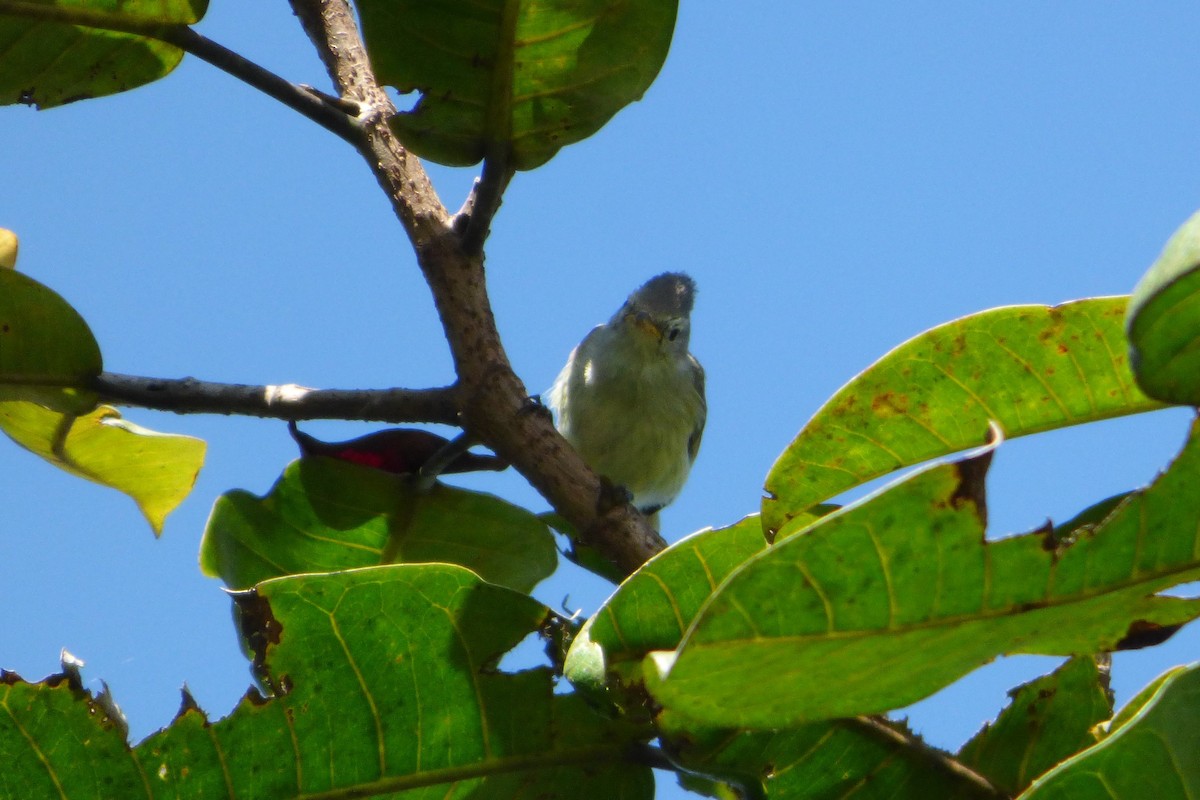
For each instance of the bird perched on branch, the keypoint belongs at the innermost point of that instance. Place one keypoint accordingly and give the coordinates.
(631, 397)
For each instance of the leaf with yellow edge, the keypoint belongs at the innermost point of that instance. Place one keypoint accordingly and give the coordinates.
(156, 469)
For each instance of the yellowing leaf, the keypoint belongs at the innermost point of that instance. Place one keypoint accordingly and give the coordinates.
(8, 249)
(156, 469)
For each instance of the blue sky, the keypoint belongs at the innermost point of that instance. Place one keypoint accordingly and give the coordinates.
(836, 176)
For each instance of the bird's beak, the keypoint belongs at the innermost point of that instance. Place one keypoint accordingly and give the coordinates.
(642, 321)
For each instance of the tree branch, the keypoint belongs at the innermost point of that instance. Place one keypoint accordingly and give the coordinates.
(288, 401)
(495, 405)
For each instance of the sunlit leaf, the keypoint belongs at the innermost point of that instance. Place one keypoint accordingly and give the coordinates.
(107, 47)
(888, 600)
(47, 352)
(8, 249)
(1149, 752)
(386, 681)
(1048, 720)
(157, 470)
(324, 514)
(652, 608)
(1027, 368)
(1164, 321)
(522, 77)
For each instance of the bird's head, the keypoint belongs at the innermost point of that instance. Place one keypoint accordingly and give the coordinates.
(660, 310)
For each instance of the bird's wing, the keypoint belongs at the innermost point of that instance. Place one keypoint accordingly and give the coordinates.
(702, 417)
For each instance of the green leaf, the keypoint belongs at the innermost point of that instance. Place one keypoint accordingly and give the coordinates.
(324, 515)
(57, 740)
(1027, 368)
(1152, 753)
(1164, 321)
(893, 597)
(653, 607)
(157, 470)
(1047, 721)
(54, 52)
(519, 77)
(580, 552)
(386, 681)
(866, 759)
(47, 352)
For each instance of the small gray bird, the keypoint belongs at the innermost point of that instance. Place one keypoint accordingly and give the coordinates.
(631, 397)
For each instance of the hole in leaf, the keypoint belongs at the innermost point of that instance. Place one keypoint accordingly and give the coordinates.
(1186, 591)
(404, 101)
(529, 653)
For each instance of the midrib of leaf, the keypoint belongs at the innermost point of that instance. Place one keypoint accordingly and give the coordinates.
(1150, 581)
(500, 103)
(559, 758)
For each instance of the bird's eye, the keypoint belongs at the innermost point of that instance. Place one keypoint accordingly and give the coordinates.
(673, 334)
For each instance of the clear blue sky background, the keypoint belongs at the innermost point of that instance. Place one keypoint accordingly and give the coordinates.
(836, 176)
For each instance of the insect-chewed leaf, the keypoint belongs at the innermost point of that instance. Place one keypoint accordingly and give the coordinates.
(1026, 368)
(893, 597)
(385, 682)
(1150, 749)
(1048, 720)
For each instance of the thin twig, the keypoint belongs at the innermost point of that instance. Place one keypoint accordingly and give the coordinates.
(287, 401)
(483, 203)
(298, 98)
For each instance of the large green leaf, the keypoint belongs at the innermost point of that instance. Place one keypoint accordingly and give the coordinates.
(324, 514)
(1164, 321)
(1048, 720)
(1150, 751)
(157, 470)
(891, 598)
(865, 759)
(57, 51)
(520, 77)
(47, 352)
(386, 681)
(653, 607)
(1027, 368)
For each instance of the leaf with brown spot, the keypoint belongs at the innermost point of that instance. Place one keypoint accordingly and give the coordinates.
(891, 598)
(1026, 368)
